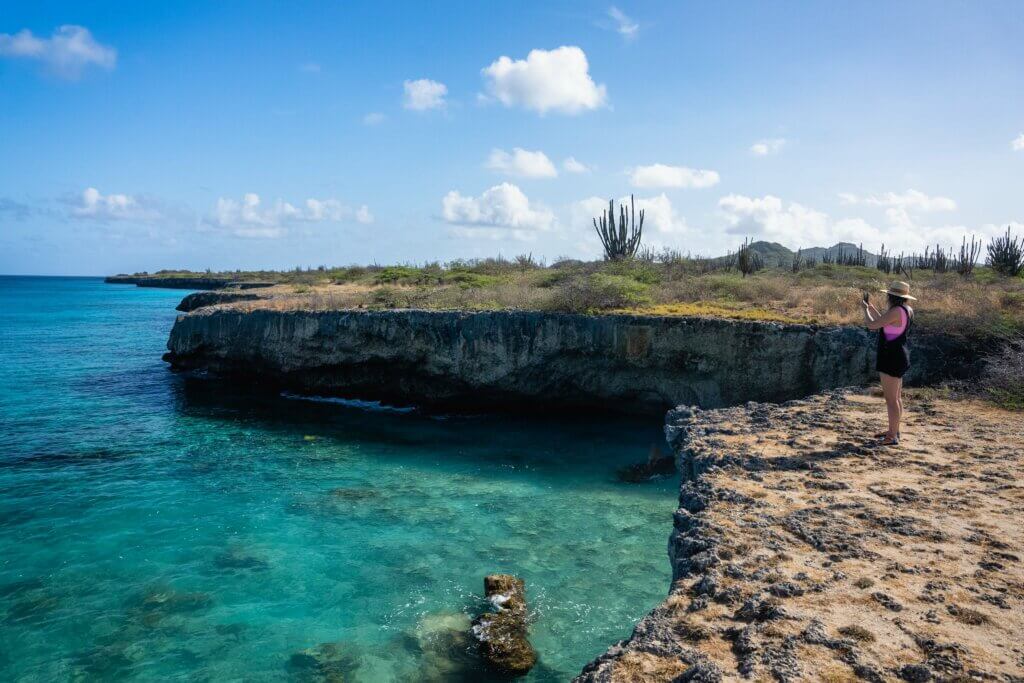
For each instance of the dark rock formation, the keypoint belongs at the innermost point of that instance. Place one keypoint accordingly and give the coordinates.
(533, 360)
(657, 465)
(502, 634)
(182, 282)
(327, 663)
(203, 299)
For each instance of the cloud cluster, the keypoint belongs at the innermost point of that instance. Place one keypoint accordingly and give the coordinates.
(625, 26)
(522, 163)
(547, 80)
(571, 165)
(503, 210)
(763, 148)
(423, 94)
(68, 52)
(767, 218)
(797, 225)
(250, 217)
(1018, 143)
(112, 207)
(901, 207)
(661, 175)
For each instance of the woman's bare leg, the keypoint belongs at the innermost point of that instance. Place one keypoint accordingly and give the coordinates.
(891, 390)
(899, 402)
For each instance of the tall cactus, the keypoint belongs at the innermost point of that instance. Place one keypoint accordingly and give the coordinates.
(618, 243)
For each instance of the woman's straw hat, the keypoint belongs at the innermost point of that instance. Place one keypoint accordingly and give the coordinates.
(900, 289)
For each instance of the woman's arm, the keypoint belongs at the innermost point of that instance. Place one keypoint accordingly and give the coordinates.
(890, 317)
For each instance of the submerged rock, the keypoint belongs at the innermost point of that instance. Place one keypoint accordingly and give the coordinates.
(328, 662)
(657, 465)
(238, 558)
(502, 635)
(447, 652)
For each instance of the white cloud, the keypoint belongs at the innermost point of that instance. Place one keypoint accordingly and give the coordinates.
(363, 215)
(373, 119)
(795, 225)
(522, 163)
(572, 166)
(901, 207)
(112, 207)
(763, 148)
(767, 218)
(1018, 143)
(310, 68)
(423, 94)
(547, 80)
(913, 200)
(252, 218)
(626, 27)
(500, 211)
(67, 52)
(660, 175)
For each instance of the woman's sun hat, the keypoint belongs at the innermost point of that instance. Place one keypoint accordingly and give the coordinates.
(900, 289)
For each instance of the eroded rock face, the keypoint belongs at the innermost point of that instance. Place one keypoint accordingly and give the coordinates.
(533, 360)
(502, 634)
(803, 550)
(202, 299)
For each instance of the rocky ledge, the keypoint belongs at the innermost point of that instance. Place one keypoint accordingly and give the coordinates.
(803, 551)
(198, 300)
(536, 360)
(182, 282)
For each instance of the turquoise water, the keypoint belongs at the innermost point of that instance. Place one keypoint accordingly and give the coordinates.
(154, 527)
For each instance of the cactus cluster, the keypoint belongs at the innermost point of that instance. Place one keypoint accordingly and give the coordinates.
(620, 241)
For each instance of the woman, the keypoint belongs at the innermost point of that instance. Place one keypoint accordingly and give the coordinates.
(893, 355)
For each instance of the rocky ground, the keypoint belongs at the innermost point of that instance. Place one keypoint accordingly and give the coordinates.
(804, 551)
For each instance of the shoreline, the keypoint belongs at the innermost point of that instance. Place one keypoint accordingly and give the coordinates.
(801, 551)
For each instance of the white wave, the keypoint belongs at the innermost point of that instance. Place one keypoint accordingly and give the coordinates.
(373, 406)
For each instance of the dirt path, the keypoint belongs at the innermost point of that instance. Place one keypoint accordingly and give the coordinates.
(802, 551)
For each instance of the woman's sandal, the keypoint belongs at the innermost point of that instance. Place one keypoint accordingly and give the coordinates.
(891, 442)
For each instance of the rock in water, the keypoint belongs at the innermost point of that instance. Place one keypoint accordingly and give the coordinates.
(657, 465)
(327, 663)
(502, 634)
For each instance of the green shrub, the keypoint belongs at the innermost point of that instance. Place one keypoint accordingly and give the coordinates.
(395, 274)
(468, 280)
(643, 272)
(389, 297)
(599, 291)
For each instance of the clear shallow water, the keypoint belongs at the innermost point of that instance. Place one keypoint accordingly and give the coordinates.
(153, 527)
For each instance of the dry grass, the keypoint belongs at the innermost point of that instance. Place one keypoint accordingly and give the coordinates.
(983, 305)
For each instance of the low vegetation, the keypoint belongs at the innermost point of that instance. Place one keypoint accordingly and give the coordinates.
(758, 281)
(983, 305)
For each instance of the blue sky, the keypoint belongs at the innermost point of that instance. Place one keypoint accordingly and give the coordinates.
(138, 136)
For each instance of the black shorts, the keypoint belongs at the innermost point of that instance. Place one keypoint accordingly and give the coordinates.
(893, 362)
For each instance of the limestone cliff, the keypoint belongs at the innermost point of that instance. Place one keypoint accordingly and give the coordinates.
(802, 550)
(534, 360)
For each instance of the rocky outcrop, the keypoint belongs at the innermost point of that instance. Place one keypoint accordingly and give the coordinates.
(502, 634)
(803, 550)
(203, 299)
(536, 360)
(183, 282)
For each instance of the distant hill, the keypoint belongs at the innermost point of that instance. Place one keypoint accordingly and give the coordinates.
(775, 255)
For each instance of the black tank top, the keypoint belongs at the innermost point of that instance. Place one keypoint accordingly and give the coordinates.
(895, 349)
